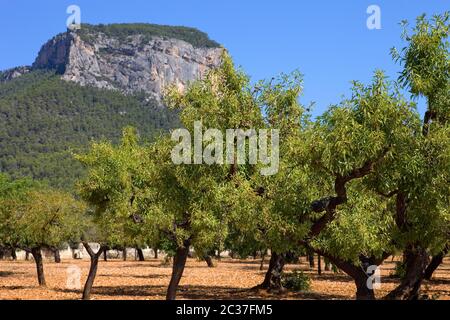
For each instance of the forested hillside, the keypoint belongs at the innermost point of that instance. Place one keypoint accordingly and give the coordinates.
(193, 36)
(43, 119)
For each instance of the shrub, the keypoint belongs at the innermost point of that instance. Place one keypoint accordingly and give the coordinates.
(296, 281)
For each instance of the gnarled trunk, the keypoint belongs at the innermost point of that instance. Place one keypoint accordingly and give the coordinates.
(416, 260)
(272, 280)
(179, 262)
(359, 274)
(37, 255)
(435, 263)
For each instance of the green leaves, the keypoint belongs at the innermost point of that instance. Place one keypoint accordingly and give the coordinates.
(426, 57)
(40, 217)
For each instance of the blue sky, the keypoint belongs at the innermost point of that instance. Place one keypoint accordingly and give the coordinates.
(328, 41)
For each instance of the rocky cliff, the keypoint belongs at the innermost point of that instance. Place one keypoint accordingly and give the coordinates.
(133, 61)
(13, 73)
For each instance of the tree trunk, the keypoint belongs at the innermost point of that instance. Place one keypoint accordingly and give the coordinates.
(155, 250)
(435, 262)
(13, 253)
(416, 260)
(319, 265)
(92, 270)
(358, 273)
(179, 262)
(327, 265)
(27, 256)
(57, 255)
(311, 260)
(140, 254)
(363, 292)
(209, 261)
(272, 280)
(124, 254)
(263, 256)
(105, 258)
(36, 252)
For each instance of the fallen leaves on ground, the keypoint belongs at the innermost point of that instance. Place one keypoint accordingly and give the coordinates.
(230, 279)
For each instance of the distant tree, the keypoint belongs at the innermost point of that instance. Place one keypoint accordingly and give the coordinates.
(38, 219)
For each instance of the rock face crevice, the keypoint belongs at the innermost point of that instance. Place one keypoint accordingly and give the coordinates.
(130, 65)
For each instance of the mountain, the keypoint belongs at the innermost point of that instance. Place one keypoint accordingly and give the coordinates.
(89, 84)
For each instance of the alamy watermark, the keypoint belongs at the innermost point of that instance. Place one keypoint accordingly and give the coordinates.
(73, 280)
(374, 20)
(237, 151)
(373, 277)
(73, 22)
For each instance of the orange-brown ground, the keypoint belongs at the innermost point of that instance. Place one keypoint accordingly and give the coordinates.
(231, 279)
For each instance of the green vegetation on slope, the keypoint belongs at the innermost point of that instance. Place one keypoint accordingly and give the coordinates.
(43, 119)
(193, 36)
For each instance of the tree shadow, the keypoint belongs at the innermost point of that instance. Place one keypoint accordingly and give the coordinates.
(7, 273)
(21, 287)
(438, 280)
(227, 293)
(132, 291)
(149, 276)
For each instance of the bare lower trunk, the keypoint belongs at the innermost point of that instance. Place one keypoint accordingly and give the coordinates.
(92, 270)
(156, 253)
(311, 260)
(140, 254)
(57, 256)
(36, 252)
(209, 261)
(124, 254)
(263, 256)
(105, 257)
(179, 262)
(27, 256)
(435, 263)
(416, 260)
(319, 265)
(13, 253)
(272, 280)
(359, 274)
(327, 265)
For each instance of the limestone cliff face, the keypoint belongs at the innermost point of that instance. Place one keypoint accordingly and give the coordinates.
(10, 74)
(136, 63)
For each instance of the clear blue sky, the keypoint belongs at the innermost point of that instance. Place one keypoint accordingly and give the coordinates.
(328, 41)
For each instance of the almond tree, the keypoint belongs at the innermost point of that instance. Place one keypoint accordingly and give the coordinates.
(189, 201)
(44, 218)
(422, 193)
(323, 163)
(112, 188)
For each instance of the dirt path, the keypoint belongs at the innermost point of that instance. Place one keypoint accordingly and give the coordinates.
(231, 279)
